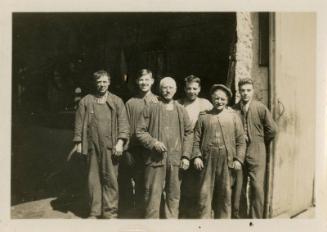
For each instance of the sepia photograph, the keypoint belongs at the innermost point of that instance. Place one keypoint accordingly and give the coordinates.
(130, 117)
(163, 115)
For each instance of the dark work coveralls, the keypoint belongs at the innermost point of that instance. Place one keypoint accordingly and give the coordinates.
(162, 171)
(97, 127)
(132, 165)
(103, 166)
(218, 141)
(165, 179)
(260, 129)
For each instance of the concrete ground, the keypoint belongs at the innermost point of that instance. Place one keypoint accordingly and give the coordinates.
(40, 209)
(44, 184)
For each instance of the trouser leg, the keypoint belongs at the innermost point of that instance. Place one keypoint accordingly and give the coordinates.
(237, 192)
(110, 193)
(94, 185)
(172, 189)
(154, 183)
(190, 183)
(126, 197)
(138, 176)
(223, 191)
(244, 203)
(206, 187)
(256, 167)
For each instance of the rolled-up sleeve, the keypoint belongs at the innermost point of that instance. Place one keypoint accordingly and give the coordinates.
(123, 124)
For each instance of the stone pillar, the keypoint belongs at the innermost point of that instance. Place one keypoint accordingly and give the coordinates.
(244, 50)
(247, 55)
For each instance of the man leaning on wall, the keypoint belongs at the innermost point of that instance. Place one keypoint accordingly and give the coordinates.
(260, 129)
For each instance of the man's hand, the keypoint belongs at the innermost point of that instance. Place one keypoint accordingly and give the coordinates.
(237, 165)
(78, 147)
(198, 163)
(185, 163)
(119, 148)
(160, 147)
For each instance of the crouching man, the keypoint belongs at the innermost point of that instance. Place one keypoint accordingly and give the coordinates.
(166, 132)
(218, 148)
(101, 129)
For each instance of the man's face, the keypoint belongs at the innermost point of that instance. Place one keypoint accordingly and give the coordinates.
(102, 85)
(219, 99)
(192, 90)
(246, 92)
(168, 89)
(145, 83)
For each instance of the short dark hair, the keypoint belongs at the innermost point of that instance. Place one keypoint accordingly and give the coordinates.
(101, 73)
(143, 72)
(245, 81)
(192, 78)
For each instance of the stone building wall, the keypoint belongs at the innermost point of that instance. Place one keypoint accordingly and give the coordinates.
(247, 55)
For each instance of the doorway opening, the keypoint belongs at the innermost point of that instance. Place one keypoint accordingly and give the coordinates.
(74, 45)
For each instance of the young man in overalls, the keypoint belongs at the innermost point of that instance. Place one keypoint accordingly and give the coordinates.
(101, 129)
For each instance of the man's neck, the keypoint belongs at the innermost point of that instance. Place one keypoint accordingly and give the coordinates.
(168, 104)
(217, 111)
(144, 94)
(244, 103)
(189, 101)
(101, 95)
(165, 101)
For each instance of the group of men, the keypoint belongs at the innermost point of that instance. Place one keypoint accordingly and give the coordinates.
(175, 159)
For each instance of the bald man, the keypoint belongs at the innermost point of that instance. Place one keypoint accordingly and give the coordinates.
(165, 130)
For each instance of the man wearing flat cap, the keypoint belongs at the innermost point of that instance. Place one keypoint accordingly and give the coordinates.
(218, 148)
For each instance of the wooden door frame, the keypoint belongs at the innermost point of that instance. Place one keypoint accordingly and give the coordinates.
(272, 104)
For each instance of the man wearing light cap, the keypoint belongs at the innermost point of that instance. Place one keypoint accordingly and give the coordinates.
(218, 148)
(165, 130)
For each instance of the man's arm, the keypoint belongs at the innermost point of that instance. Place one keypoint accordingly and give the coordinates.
(142, 133)
(188, 136)
(270, 127)
(123, 128)
(239, 139)
(79, 119)
(196, 152)
(123, 124)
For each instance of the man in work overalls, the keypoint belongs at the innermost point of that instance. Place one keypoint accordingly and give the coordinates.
(165, 130)
(101, 129)
(260, 130)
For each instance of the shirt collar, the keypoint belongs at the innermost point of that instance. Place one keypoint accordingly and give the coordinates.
(245, 107)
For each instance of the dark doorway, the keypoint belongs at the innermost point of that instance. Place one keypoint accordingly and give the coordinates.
(74, 45)
(54, 53)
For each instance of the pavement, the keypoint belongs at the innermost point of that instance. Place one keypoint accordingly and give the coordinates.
(40, 209)
(44, 184)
